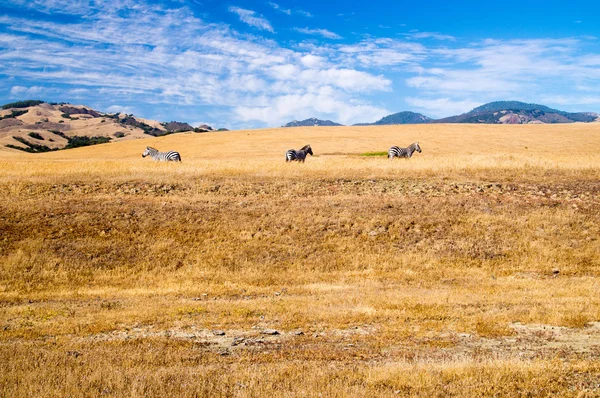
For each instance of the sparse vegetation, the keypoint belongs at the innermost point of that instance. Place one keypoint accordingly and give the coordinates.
(73, 142)
(76, 142)
(469, 270)
(35, 135)
(129, 120)
(22, 104)
(14, 113)
(30, 146)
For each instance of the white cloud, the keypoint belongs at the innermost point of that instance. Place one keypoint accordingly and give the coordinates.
(23, 91)
(570, 100)
(120, 109)
(442, 107)
(248, 17)
(285, 108)
(312, 61)
(381, 53)
(319, 32)
(494, 69)
(279, 8)
(430, 35)
(346, 79)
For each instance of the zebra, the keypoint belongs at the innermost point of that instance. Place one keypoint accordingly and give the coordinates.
(404, 152)
(299, 155)
(162, 156)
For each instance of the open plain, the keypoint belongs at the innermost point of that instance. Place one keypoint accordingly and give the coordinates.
(472, 269)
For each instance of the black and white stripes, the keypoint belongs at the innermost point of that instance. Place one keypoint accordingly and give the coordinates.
(172, 156)
(403, 152)
(299, 155)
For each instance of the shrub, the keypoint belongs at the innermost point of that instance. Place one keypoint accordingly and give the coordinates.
(14, 113)
(22, 104)
(59, 133)
(76, 142)
(31, 147)
(36, 136)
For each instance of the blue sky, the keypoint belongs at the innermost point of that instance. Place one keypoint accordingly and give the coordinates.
(250, 64)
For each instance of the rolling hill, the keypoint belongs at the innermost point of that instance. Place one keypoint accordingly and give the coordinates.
(36, 126)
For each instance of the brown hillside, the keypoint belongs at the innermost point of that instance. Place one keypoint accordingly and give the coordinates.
(45, 118)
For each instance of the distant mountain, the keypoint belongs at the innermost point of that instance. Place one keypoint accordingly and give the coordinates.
(503, 105)
(399, 118)
(313, 121)
(499, 112)
(515, 112)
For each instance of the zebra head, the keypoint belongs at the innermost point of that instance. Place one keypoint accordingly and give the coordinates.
(307, 149)
(417, 147)
(148, 151)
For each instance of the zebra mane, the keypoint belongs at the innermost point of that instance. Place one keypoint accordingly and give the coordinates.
(305, 147)
(151, 149)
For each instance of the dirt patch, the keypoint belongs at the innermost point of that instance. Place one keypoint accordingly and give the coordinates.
(536, 341)
(527, 342)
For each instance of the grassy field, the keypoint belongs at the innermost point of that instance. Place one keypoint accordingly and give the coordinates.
(471, 269)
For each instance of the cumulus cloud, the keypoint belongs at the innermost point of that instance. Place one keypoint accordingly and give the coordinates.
(312, 61)
(21, 90)
(249, 17)
(284, 108)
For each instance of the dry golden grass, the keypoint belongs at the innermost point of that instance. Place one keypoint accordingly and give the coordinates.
(470, 270)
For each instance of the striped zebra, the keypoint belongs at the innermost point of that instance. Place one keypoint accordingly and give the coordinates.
(172, 156)
(299, 155)
(404, 152)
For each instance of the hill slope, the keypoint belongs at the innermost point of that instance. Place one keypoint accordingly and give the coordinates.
(36, 126)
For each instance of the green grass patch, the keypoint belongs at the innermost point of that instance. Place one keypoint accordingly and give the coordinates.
(384, 153)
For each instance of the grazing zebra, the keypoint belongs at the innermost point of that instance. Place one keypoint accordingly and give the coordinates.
(404, 152)
(172, 156)
(299, 155)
